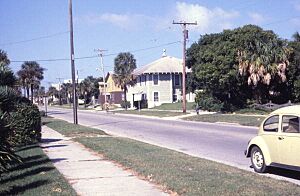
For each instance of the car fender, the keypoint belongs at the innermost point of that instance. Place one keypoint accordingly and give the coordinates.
(259, 142)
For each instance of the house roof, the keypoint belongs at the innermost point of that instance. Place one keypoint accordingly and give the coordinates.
(165, 64)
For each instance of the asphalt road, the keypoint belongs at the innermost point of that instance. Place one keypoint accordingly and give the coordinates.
(219, 142)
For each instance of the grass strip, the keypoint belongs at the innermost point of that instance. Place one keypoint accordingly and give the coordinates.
(69, 129)
(185, 174)
(247, 120)
(176, 106)
(35, 176)
(160, 114)
(182, 173)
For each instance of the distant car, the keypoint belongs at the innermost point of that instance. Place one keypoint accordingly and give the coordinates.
(80, 101)
(278, 141)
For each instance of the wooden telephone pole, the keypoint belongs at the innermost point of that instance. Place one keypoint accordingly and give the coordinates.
(73, 65)
(185, 37)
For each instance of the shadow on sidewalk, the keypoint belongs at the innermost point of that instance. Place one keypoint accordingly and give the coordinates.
(54, 146)
(48, 140)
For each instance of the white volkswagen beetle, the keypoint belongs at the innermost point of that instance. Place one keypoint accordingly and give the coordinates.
(278, 141)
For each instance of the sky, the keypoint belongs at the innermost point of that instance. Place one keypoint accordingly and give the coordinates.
(39, 29)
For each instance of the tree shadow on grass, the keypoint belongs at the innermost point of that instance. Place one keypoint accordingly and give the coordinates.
(16, 190)
(26, 174)
(29, 164)
(28, 147)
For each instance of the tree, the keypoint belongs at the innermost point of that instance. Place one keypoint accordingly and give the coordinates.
(7, 77)
(293, 73)
(238, 65)
(85, 88)
(66, 92)
(30, 74)
(53, 92)
(213, 60)
(262, 57)
(125, 63)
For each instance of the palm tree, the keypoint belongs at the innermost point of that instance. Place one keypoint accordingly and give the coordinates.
(296, 37)
(262, 58)
(30, 74)
(66, 91)
(84, 89)
(125, 63)
(53, 92)
(7, 77)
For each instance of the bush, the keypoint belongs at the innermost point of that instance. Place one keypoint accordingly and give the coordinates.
(125, 104)
(25, 124)
(208, 102)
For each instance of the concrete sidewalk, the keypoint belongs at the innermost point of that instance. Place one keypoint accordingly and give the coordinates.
(89, 173)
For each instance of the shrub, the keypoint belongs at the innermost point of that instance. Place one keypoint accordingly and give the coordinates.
(25, 124)
(125, 104)
(207, 102)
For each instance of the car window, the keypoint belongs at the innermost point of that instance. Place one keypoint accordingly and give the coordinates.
(290, 124)
(271, 124)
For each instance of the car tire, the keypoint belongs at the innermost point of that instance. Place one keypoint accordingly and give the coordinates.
(258, 160)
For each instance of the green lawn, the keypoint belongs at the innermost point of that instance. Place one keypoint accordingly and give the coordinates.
(181, 173)
(248, 120)
(69, 129)
(144, 112)
(35, 176)
(175, 106)
(184, 174)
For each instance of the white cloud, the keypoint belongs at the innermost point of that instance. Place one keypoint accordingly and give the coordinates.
(256, 18)
(124, 21)
(209, 20)
(296, 5)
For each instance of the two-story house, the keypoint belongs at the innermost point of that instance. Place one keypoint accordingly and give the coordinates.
(113, 93)
(158, 82)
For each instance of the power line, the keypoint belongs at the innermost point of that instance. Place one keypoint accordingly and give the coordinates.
(34, 39)
(95, 56)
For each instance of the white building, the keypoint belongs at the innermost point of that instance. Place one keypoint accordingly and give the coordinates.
(159, 82)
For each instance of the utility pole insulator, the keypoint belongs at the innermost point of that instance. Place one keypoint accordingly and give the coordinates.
(185, 37)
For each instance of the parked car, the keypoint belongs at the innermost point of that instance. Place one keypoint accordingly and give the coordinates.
(278, 141)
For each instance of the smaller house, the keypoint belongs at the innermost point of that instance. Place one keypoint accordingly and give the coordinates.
(158, 82)
(113, 93)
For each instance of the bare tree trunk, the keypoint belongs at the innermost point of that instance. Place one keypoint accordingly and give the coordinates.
(31, 89)
(27, 90)
(125, 98)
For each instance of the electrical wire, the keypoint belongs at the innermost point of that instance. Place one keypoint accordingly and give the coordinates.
(34, 39)
(95, 56)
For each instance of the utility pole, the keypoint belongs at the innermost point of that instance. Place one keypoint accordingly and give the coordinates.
(102, 69)
(73, 65)
(59, 93)
(185, 37)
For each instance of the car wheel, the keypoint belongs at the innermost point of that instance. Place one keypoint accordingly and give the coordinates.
(258, 160)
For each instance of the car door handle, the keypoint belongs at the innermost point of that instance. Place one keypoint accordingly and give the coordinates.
(281, 138)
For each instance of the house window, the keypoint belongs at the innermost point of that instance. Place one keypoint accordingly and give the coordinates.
(155, 79)
(155, 97)
(177, 80)
(145, 80)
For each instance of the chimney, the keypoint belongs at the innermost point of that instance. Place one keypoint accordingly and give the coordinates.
(164, 53)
